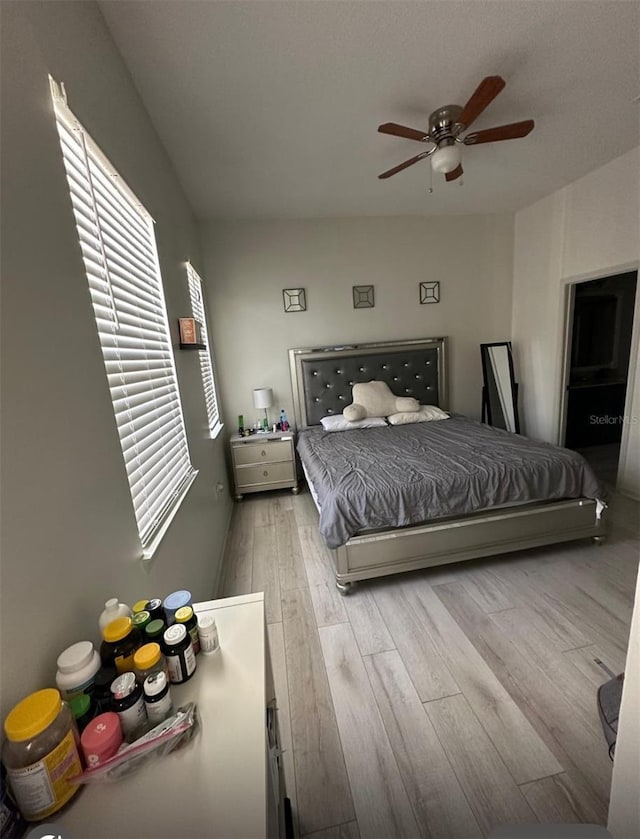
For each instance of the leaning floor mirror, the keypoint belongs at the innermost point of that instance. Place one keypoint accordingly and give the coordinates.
(500, 390)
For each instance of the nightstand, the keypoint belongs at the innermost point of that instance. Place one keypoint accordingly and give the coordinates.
(264, 461)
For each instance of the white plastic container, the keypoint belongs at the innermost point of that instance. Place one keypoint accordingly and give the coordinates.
(208, 633)
(77, 668)
(112, 610)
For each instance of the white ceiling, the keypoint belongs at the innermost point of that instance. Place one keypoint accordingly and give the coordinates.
(269, 109)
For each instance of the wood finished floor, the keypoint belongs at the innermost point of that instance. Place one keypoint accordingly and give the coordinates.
(440, 703)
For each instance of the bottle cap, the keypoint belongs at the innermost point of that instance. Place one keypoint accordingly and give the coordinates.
(154, 629)
(175, 634)
(154, 604)
(155, 683)
(75, 657)
(141, 619)
(111, 603)
(124, 685)
(146, 656)
(33, 714)
(140, 606)
(117, 629)
(206, 621)
(80, 704)
(183, 614)
(101, 737)
(177, 599)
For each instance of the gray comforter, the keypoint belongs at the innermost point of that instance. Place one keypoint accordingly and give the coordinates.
(396, 476)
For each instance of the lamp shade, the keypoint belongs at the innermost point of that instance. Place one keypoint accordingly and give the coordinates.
(445, 159)
(262, 397)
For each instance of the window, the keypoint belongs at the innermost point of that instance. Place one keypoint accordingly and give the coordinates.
(206, 367)
(121, 262)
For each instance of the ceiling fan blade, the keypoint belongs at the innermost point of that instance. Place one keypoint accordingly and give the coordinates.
(403, 131)
(482, 96)
(404, 165)
(457, 172)
(500, 132)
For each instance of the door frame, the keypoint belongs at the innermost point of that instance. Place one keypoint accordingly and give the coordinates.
(569, 293)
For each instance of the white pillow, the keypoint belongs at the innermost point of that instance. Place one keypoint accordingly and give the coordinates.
(339, 423)
(426, 413)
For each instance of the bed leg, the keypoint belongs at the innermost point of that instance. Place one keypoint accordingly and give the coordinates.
(598, 540)
(343, 588)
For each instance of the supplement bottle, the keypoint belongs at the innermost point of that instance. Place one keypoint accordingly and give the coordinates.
(77, 669)
(128, 703)
(102, 689)
(156, 610)
(101, 739)
(121, 640)
(186, 616)
(148, 659)
(112, 610)
(157, 698)
(139, 606)
(178, 650)
(174, 601)
(141, 619)
(41, 754)
(208, 633)
(154, 631)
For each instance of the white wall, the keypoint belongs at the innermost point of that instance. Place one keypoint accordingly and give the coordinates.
(69, 537)
(249, 263)
(590, 228)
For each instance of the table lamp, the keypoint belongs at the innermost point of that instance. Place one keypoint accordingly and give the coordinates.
(263, 398)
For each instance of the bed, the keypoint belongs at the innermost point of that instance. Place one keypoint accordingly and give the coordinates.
(395, 499)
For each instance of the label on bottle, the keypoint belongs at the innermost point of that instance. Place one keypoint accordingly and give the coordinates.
(124, 664)
(160, 710)
(132, 718)
(43, 787)
(190, 659)
(209, 639)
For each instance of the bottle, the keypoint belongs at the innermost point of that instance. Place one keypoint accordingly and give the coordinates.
(41, 754)
(112, 610)
(101, 739)
(102, 688)
(83, 710)
(128, 703)
(121, 640)
(174, 601)
(178, 650)
(148, 659)
(185, 615)
(139, 606)
(156, 610)
(157, 697)
(141, 619)
(240, 424)
(208, 632)
(77, 668)
(154, 631)
(284, 425)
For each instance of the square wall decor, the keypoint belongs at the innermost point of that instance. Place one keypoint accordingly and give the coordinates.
(295, 299)
(363, 297)
(430, 292)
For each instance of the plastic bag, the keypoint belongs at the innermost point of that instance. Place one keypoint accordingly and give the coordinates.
(172, 733)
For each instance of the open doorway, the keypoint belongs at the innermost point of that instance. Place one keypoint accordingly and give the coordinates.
(599, 348)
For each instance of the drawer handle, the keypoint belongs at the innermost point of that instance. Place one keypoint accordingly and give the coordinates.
(265, 473)
(263, 453)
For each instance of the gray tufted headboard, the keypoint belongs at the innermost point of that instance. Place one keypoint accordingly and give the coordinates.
(322, 377)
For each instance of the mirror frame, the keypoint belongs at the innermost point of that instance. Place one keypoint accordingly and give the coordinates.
(486, 403)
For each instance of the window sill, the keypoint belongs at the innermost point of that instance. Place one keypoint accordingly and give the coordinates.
(215, 432)
(152, 547)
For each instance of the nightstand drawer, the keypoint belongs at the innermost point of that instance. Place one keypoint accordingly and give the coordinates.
(268, 452)
(267, 473)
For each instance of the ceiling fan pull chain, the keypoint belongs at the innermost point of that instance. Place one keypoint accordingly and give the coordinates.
(430, 180)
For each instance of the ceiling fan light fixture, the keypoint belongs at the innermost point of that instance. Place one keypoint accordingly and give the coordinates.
(446, 159)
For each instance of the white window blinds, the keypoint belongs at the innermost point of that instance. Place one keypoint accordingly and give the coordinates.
(121, 262)
(206, 367)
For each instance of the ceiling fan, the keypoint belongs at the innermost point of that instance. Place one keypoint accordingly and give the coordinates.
(448, 123)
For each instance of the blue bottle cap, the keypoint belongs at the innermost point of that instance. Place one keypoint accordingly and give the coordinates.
(176, 600)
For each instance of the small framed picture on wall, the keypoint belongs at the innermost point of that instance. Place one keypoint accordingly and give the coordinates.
(430, 292)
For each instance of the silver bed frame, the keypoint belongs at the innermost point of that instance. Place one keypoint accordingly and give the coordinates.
(322, 378)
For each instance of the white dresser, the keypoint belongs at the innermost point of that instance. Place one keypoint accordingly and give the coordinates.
(227, 783)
